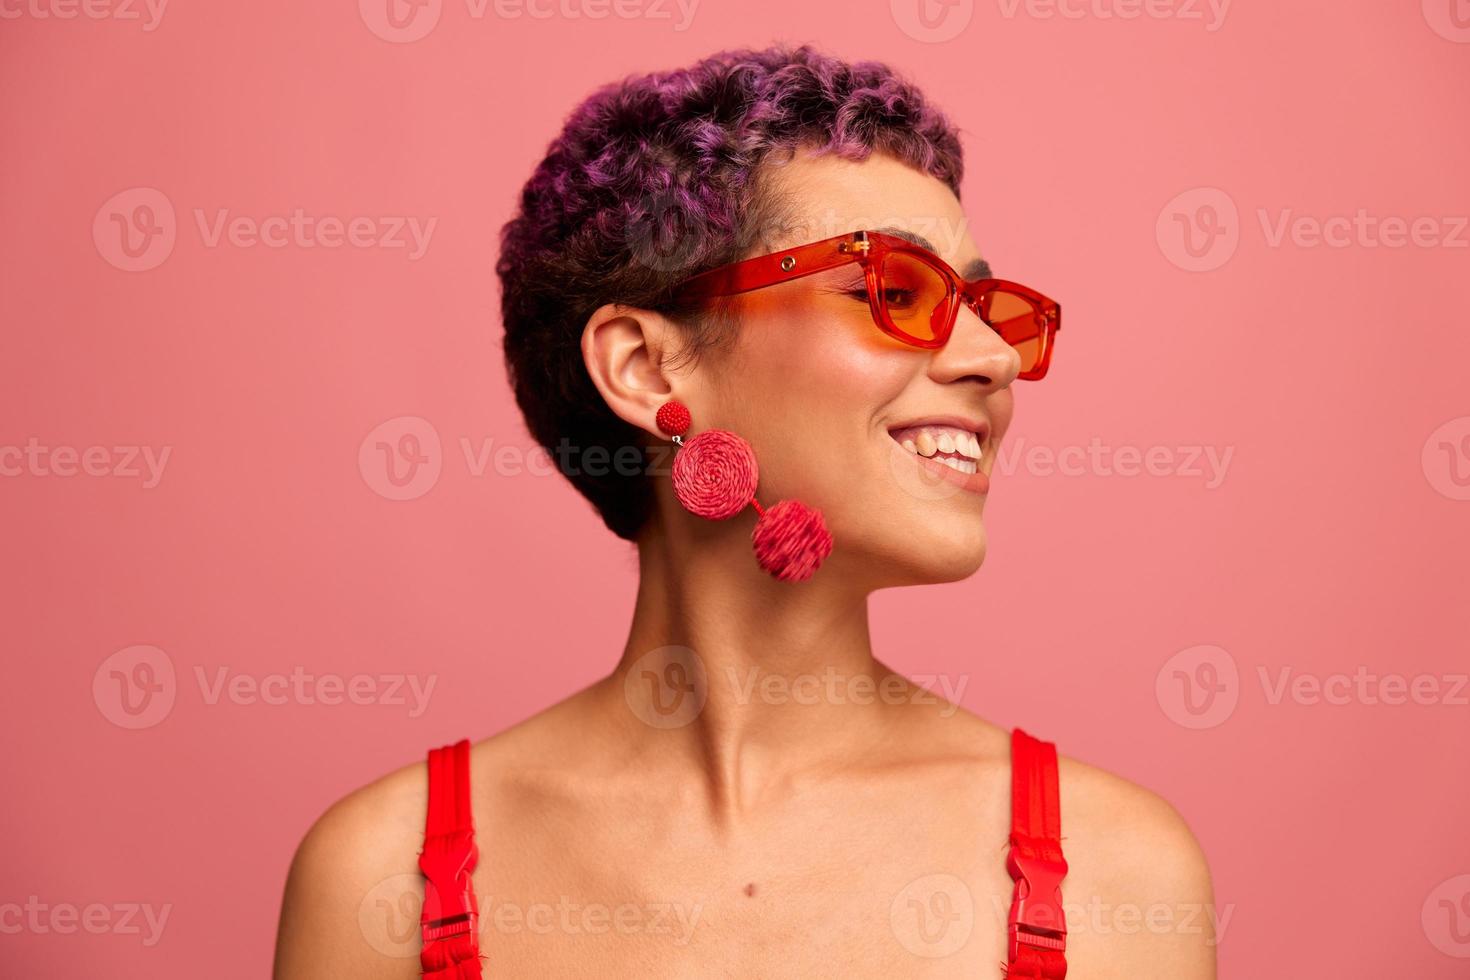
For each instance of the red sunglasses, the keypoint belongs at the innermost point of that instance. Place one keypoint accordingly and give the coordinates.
(914, 295)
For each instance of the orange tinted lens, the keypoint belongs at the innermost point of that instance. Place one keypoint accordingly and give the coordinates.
(916, 296)
(1019, 323)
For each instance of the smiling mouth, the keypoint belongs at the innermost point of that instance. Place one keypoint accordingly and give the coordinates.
(960, 449)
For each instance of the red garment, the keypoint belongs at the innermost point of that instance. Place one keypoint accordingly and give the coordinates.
(1036, 935)
(451, 920)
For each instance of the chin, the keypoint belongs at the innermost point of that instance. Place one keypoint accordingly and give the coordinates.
(930, 559)
(897, 524)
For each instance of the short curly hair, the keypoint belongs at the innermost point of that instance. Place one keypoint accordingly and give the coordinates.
(655, 178)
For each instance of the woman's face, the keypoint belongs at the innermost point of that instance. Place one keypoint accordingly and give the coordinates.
(851, 421)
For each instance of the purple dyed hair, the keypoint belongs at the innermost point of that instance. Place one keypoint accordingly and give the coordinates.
(655, 178)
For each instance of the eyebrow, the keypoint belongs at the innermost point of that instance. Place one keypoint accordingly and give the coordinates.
(975, 269)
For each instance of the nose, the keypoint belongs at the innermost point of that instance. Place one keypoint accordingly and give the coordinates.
(975, 351)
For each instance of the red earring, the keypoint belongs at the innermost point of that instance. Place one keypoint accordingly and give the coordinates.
(715, 476)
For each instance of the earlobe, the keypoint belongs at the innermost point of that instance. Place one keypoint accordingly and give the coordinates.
(625, 352)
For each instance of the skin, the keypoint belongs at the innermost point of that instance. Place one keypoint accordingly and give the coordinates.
(760, 837)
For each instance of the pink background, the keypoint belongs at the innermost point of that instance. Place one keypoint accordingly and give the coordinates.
(1335, 541)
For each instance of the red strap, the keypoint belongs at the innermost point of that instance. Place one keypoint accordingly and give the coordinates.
(450, 919)
(1037, 929)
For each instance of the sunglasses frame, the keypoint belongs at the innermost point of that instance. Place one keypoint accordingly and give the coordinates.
(870, 248)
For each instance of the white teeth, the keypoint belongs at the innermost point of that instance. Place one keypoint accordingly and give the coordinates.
(948, 440)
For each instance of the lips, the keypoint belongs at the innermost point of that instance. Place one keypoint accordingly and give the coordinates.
(952, 447)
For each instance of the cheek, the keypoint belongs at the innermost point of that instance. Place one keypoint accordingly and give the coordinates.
(837, 362)
(809, 390)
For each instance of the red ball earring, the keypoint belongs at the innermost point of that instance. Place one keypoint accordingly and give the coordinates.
(715, 476)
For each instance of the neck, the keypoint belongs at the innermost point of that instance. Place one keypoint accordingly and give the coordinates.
(746, 680)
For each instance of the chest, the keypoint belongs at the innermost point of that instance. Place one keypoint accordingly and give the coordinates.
(884, 893)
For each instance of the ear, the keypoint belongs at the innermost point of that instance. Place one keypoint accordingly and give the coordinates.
(628, 353)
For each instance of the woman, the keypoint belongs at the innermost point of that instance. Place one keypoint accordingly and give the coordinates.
(756, 271)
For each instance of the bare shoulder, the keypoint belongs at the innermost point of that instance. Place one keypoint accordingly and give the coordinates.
(1127, 838)
(1131, 834)
(352, 882)
(1138, 894)
(354, 887)
(1138, 890)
